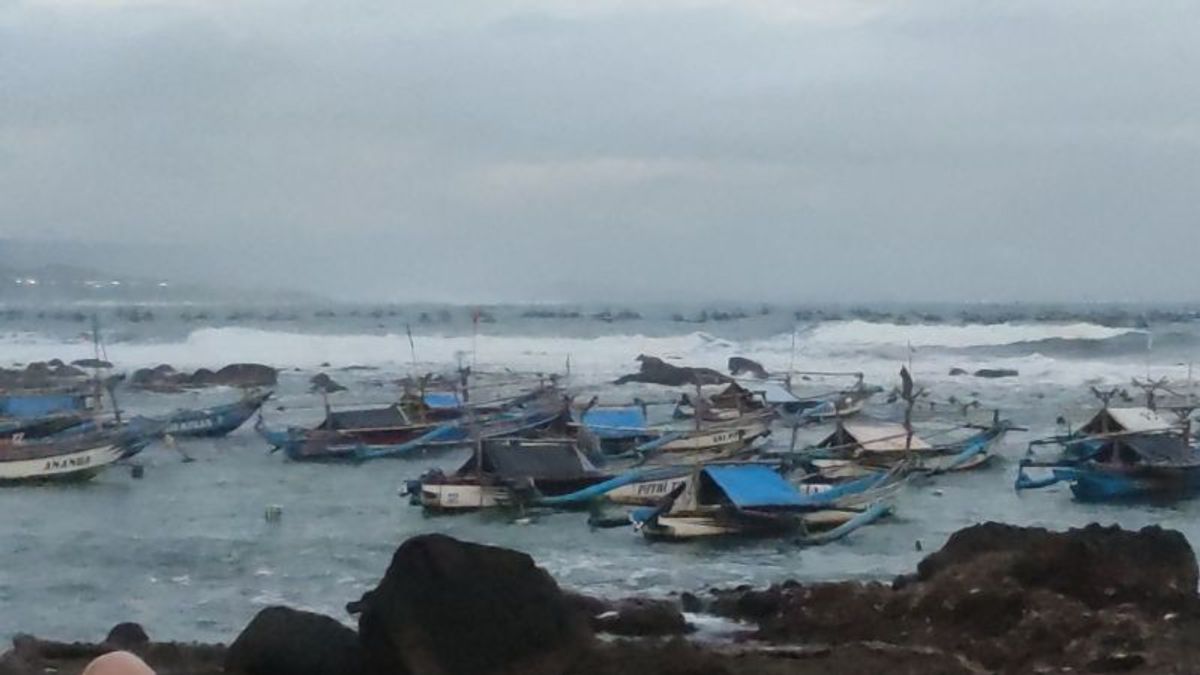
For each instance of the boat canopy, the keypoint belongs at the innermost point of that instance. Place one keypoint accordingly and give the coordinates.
(539, 460)
(752, 485)
(873, 436)
(377, 418)
(1113, 420)
(1160, 449)
(41, 404)
(774, 393)
(616, 422)
(442, 400)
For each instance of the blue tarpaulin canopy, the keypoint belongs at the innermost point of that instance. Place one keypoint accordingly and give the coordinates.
(442, 399)
(39, 405)
(749, 485)
(627, 422)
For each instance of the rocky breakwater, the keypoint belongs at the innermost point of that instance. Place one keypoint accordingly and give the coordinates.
(995, 598)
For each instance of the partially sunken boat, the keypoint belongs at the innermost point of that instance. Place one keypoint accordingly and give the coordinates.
(506, 472)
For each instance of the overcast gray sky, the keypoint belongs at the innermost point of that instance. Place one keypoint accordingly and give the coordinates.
(547, 149)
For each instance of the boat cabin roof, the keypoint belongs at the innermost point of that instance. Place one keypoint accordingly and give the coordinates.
(873, 436)
(536, 459)
(1114, 420)
(753, 486)
(370, 418)
(446, 400)
(1150, 449)
(616, 422)
(772, 392)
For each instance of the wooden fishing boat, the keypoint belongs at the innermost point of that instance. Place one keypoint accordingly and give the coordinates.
(504, 472)
(215, 421)
(860, 447)
(716, 438)
(1121, 454)
(77, 457)
(339, 445)
(617, 429)
(746, 500)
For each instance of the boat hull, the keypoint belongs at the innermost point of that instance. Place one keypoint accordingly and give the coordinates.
(81, 463)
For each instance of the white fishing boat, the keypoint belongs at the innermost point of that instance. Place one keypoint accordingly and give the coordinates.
(76, 457)
(718, 438)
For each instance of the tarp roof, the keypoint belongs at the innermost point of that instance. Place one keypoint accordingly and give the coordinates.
(625, 422)
(773, 392)
(1162, 449)
(876, 436)
(376, 418)
(539, 460)
(442, 399)
(1126, 419)
(749, 485)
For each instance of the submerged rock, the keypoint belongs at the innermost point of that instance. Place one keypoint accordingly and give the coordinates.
(447, 606)
(994, 373)
(739, 365)
(283, 641)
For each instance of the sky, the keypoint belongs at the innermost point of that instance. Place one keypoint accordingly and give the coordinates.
(491, 150)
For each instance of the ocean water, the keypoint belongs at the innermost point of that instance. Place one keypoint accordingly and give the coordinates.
(187, 552)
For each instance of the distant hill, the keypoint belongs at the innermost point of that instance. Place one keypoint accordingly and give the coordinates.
(34, 272)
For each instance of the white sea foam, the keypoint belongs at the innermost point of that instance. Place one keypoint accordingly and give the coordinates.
(603, 357)
(947, 335)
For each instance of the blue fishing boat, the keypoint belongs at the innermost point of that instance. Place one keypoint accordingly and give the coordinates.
(617, 429)
(30, 404)
(1120, 467)
(360, 443)
(217, 420)
(724, 500)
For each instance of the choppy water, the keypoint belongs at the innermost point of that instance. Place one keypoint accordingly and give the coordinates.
(187, 552)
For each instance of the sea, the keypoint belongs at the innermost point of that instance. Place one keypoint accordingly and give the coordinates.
(186, 550)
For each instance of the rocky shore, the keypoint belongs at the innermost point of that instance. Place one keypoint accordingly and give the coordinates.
(995, 598)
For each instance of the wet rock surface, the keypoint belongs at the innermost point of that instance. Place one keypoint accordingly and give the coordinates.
(995, 599)
(654, 370)
(164, 377)
(1010, 599)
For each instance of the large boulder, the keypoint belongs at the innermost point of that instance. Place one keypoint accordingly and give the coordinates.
(654, 370)
(247, 375)
(284, 641)
(740, 364)
(447, 607)
(1096, 565)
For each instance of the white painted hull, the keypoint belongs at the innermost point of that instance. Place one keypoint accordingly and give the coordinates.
(462, 497)
(646, 493)
(82, 463)
(699, 526)
(729, 438)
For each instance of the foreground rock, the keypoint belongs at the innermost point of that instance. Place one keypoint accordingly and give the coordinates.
(447, 606)
(1010, 599)
(995, 599)
(31, 656)
(283, 641)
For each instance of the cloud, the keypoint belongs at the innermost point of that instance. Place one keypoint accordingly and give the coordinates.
(791, 150)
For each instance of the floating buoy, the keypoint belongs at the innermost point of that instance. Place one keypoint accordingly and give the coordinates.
(137, 471)
(273, 513)
(938, 493)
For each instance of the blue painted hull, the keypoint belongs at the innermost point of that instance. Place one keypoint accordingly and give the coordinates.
(216, 421)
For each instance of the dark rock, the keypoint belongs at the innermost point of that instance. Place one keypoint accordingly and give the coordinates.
(656, 371)
(325, 383)
(690, 602)
(642, 617)
(955, 372)
(447, 606)
(247, 375)
(128, 636)
(739, 365)
(1119, 662)
(92, 363)
(996, 372)
(1099, 566)
(283, 641)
